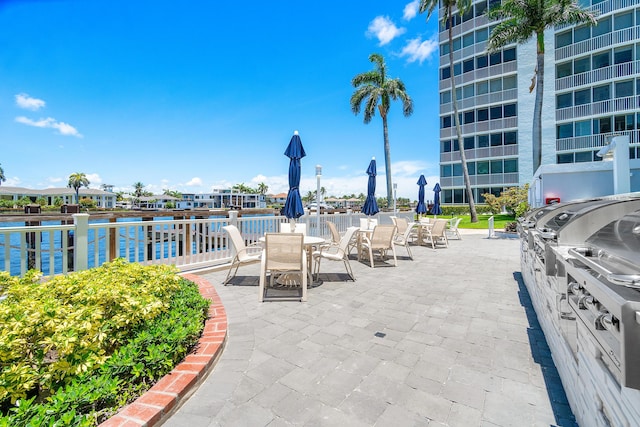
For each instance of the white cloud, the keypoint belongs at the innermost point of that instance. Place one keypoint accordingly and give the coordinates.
(94, 180)
(411, 10)
(194, 182)
(55, 180)
(418, 50)
(28, 103)
(384, 30)
(63, 128)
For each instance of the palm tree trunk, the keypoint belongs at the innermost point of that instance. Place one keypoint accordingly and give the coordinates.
(387, 160)
(463, 157)
(537, 109)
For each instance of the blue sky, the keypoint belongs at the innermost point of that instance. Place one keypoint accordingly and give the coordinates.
(195, 95)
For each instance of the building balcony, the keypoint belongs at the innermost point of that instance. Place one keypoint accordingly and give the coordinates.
(481, 153)
(480, 127)
(593, 141)
(480, 74)
(594, 44)
(593, 77)
(618, 106)
(510, 179)
(480, 100)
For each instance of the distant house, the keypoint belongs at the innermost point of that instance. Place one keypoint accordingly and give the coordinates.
(280, 198)
(102, 199)
(221, 199)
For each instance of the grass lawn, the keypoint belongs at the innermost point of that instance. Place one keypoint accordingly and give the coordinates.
(499, 221)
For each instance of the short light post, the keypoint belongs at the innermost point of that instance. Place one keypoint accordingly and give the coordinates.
(318, 175)
(395, 198)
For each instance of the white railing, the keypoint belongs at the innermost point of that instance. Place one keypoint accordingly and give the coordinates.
(189, 244)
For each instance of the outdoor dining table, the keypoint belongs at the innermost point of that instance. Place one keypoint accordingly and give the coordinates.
(308, 242)
(423, 228)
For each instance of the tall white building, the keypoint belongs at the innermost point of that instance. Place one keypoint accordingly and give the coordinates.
(592, 91)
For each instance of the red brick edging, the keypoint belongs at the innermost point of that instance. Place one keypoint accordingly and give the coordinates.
(158, 402)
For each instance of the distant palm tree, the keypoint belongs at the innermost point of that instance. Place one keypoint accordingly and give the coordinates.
(263, 188)
(138, 189)
(462, 6)
(375, 89)
(77, 180)
(309, 197)
(2, 177)
(520, 21)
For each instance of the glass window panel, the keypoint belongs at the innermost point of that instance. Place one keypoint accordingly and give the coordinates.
(468, 15)
(467, 40)
(624, 89)
(495, 85)
(483, 141)
(482, 114)
(469, 143)
(509, 82)
(510, 110)
(468, 91)
(602, 27)
(496, 166)
(457, 169)
(458, 195)
(467, 65)
(565, 100)
(458, 93)
(445, 170)
(496, 139)
(629, 122)
(482, 191)
(446, 146)
(601, 93)
(494, 58)
(623, 55)
(581, 33)
(481, 7)
(482, 87)
(618, 123)
(445, 73)
(444, 49)
(623, 20)
(509, 55)
(583, 156)
(581, 65)
(510, 138)
(446, 122)
(564, 39)
(457, 69)
(457, 44)
(482, 34)
(510, 165)
(469, 117)
(471, 168)
(445, 97)
(583, 128)
(482, 168)
(456, 146)
(565, 158)
(564, 131)
(601, 125)
(581, 97)
(482, 61)
(495, 112)
(564, 70)
(601, 60)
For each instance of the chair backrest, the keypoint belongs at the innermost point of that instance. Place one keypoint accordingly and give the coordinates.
(402, 224)
(284, 251)
(383, 235)
(285, 227)
(335, 235)
(454, 223)
(393, 219)
(425, 220)
(237, 241)
(346, 238)
(439, 227)
(368, 223)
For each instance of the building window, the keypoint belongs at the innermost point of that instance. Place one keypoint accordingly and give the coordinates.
(496, 166)
(482, 61)
(622, 123)
(446, 122)
(510, 110)
(583, 156)
(581, 33)
(445, 97)
(444, 49)
(601, 60)
(467, 40)
(581, 65)
(564, 39)
(469, 143)
(564, 131)
(509, 55)
(471, 168)
(482, 168)
(457, 169)
(458, 195)
(581, 97)
(565, 158)
(483, 141)
(602, 27)
(624, 89)
(510, 165)
(583, 128)
(563, 101)
(445, 170)
(495, 112)
(509, 82)
(458, 93)
(482, 34)
(457, 69)
(494, 58)
(623, 20)
(468, 91)
(496, 139)
(495, 85)
(483, 114)
(601, 93)
(445, 73)
(601, 125)
(446, 146)
(510, 138)
(564, 70)
(457, 44)
(622, 55)
(482, 87)
(469, 117)
(467, 65)
(480, 8)
(447, 196)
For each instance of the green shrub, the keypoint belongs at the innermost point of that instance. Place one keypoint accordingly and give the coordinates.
(87, 343)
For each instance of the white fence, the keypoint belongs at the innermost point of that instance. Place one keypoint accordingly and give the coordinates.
(190, 244)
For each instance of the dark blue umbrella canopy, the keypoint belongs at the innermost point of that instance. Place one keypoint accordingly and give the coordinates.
(370, 206)
(421, 208)
(436, 209)
(293, 206)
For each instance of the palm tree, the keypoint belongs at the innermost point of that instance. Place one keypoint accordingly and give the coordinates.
(520, 21)
(462, 6)
(263, 188)
(2, 177)
(375, 89)
(138, 189)
(77, 180)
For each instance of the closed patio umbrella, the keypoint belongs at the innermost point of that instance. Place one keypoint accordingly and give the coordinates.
(436, 209)
(421, 208)
(370, 206)
(293, 208)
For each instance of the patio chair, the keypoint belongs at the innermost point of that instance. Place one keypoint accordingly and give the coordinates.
(437, 233)
(368, 223)
(380, 242)
(405, 234)
(243, 254)
(337, 252)
(285, 227)
(452, 229)
(283, 254)
(335, 234)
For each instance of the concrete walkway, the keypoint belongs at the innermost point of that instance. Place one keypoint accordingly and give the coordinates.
(448, 339)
